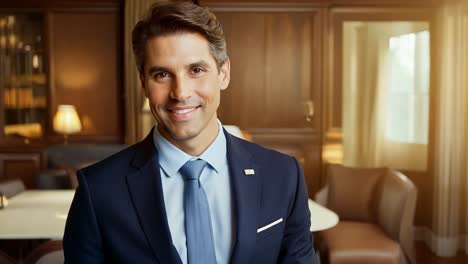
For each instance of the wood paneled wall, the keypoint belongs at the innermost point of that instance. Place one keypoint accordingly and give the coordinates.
(85, 71)
(272, 74)
(326, 3)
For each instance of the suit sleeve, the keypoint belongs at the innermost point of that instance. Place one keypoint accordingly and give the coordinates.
(82, 241)
(297, 244)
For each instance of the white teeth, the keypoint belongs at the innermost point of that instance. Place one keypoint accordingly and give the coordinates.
(183, 111)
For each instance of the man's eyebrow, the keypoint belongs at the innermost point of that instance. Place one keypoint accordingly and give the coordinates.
(200, 63)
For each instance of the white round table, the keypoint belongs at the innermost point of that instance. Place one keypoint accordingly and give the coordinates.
(321, 218)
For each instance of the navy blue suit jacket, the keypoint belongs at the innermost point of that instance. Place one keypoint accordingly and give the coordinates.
(118, 213)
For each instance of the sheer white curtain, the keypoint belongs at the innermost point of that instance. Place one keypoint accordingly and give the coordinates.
(376, 106)
(362, 66)
(451, 133)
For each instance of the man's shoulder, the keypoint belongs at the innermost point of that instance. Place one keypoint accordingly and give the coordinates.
(262, 153)
(112, 166)
(278, 171)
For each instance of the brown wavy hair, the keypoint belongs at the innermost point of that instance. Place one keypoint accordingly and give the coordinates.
(165, 18)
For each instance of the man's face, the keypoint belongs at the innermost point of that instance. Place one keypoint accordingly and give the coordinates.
(183, 85)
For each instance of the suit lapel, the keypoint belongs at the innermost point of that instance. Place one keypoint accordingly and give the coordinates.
(146, 191)
(247, 193)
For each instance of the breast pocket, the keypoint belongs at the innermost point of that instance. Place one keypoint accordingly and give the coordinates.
(268, 242)
(269, 229)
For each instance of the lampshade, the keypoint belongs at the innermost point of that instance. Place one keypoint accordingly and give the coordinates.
(66, 120)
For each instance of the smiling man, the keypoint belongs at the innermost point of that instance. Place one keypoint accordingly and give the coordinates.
(190, 192)
(183, 82)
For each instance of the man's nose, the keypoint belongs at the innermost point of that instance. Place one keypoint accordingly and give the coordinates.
(181, 89)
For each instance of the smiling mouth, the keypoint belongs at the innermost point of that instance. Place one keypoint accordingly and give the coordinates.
(182, 111)
(182, 114)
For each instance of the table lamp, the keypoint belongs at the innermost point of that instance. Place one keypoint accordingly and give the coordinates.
(66, 121)
(3, 201)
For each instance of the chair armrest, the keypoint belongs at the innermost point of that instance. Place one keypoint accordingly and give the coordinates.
(396, 208)
(407, 227)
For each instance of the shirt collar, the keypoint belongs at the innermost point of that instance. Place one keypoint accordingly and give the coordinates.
(171, 158)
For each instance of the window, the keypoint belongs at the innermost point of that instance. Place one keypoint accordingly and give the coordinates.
(407, 100)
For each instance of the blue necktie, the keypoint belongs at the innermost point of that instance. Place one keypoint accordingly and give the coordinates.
(200, 245)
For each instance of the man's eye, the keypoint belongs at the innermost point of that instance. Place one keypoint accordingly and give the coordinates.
(161, 75)
(197, 70)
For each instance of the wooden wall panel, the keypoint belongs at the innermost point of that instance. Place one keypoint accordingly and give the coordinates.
(288, 68)
(327, 3)
(247, 55)
(85, 71)
(22, 5)
(272, 69)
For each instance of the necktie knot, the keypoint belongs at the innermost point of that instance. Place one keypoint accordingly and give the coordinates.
(193, 169)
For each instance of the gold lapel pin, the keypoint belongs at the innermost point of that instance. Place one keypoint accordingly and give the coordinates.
(249, 172)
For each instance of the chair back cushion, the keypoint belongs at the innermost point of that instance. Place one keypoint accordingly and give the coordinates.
(352, 191)
(56, 179)
(71, 155)
(12, 188)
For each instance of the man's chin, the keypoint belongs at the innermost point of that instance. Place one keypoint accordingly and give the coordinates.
(182, 135)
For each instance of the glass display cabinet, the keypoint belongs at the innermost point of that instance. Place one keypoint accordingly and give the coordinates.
(23, 81)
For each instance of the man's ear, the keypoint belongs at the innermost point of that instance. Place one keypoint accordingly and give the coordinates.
(225, 74)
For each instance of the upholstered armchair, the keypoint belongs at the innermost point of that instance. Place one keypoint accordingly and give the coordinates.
(376, 210)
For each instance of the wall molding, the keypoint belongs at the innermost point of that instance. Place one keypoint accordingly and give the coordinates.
(441, 246)
(295, 136)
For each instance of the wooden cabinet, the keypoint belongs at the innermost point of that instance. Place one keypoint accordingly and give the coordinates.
(23, 75)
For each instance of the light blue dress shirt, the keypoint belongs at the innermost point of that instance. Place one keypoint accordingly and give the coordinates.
(217, 185)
